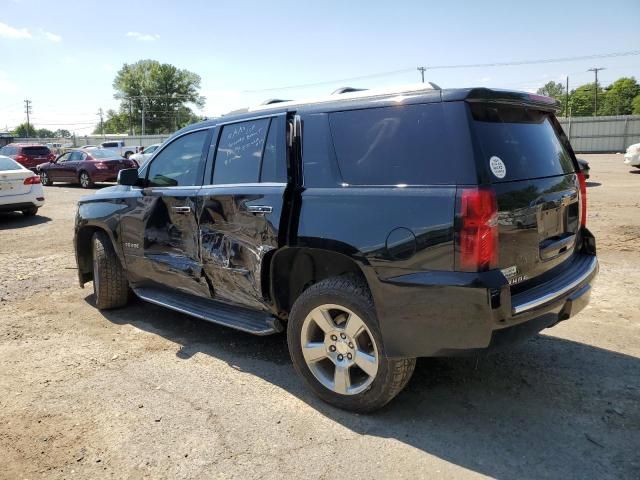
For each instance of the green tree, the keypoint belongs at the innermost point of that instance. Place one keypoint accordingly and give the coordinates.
(62, 133)
(21, 131)
(116, 122)
(619, 97)
(44, 133)
(581, 100)
(555, 90)
(635, 105)
(163, 92)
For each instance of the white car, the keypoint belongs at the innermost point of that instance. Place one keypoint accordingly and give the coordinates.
(20, 188)
(632, 157)
(146, 154)
(123, 150)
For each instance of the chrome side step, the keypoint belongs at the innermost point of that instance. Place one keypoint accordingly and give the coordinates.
(250, 321)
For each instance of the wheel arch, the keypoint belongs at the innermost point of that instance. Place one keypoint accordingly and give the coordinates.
(294, 269)
(84, 253)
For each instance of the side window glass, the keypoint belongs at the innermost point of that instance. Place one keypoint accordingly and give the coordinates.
(75, 157)
(180, 163)
(64, 158)
(274, 168)
(239, 152)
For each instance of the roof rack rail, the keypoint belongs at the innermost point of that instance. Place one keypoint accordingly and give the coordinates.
(274, 100)
(347, 90)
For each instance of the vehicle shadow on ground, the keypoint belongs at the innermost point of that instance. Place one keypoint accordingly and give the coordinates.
(11, 220)
(550, 408)
(593, 184)
(637, 172)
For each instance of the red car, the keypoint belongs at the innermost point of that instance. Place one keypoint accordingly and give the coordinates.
(28, 155)
(85, 167)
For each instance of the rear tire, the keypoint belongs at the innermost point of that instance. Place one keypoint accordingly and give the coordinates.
(30, 212)
(328, 353)
(85, 180)
(110, 286)
(45, 179)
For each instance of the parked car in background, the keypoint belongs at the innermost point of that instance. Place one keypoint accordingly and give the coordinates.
(632, 156)
(28, 155)
(88, 146)
(122, 149)
(84, 166)
(20, 188)
(584, 168)
(145, 154)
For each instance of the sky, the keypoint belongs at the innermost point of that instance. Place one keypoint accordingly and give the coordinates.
(63, 55)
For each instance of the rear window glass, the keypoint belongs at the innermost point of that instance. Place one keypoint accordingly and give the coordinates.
(524, 141)
(99, 153)
(36, 150)
(393, 145)
(8, 164)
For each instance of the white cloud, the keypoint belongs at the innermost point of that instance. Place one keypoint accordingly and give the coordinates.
(143, 37)
(52, 37)
(7, 31)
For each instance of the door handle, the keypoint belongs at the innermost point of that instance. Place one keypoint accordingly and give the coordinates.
(259, 209)
(181, 209)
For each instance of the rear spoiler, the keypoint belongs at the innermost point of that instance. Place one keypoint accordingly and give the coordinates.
(510, 97)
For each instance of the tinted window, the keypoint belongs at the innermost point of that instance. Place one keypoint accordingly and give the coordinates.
(393, 145)
(7, 164)
(180, 163)
(101, 153)
(76, 156)
(239, 152)
(525, 141)
(274, 168)
(110, 144)
(36, 151)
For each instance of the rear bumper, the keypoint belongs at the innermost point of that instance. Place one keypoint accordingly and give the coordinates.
(104, 176)
(457, 313)
(632, 159)
(20, 202)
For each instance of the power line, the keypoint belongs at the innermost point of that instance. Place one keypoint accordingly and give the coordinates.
(447, 67)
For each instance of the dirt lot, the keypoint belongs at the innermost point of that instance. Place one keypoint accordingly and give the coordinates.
(147, 393)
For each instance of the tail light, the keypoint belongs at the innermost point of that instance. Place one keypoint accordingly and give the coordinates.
(478, 229)
(21, 157)
(51, 157)
(32, 180)
(583, 199)
(100, 165)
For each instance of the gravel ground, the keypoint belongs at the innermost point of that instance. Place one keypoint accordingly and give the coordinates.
(144, 392)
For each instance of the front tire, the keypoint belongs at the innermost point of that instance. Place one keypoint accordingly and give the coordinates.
(335, 345)
(85, 180)
(30, 212)
(110, 286)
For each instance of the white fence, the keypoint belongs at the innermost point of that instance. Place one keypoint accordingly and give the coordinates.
(602, 134)
(78, 141)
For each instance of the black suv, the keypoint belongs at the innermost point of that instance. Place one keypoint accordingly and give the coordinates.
(376, 227)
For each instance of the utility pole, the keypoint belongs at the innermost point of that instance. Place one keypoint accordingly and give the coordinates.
(566, 97)
(143, 116)
(422, 70)
(595, 101)
(27, 110)
(130, 118)
(100, 114)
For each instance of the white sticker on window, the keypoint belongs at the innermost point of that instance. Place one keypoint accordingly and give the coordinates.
(497, 167)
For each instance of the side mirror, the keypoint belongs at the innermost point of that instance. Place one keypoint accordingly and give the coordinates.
(128, 176)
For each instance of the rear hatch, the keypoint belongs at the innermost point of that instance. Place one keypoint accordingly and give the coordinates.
(35, 155)
(533, 175)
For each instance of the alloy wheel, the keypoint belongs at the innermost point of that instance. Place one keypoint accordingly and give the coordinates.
(339, 349)
(84, 180)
